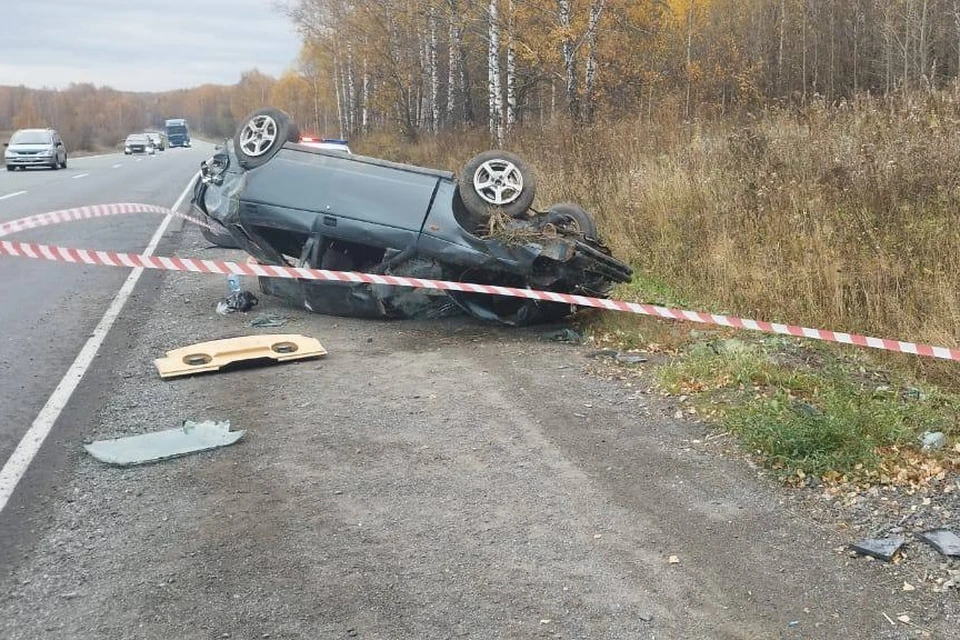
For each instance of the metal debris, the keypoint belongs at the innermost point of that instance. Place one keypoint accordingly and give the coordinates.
(882, 549)
(163, 445)
(943, 540)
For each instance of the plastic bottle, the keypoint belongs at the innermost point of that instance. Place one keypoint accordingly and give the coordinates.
(233, 283)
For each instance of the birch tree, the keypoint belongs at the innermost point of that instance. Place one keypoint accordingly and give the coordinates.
(493, 73)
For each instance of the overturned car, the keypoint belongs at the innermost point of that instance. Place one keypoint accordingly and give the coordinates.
(291, 204)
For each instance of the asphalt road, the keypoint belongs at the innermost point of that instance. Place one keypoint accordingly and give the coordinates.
(49, 310)
(425, 480)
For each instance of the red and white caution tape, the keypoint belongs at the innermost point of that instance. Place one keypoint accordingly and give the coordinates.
(85, 213)
(114, 259)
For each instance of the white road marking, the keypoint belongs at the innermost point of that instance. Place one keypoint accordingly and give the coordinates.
(116, 166)
(12, 195)
(80, 175)
(32, 440)
(102, 155)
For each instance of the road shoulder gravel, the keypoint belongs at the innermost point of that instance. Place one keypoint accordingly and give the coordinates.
(425, 480)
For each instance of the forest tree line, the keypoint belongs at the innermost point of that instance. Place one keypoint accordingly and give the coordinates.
(422, 66)
(425, 65)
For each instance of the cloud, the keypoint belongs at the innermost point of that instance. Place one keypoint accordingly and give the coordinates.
(127, 45)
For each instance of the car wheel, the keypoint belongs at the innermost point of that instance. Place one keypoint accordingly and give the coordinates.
(10, 167)
(567, 216)
(261, 135)
(63, 165)
(56, 164)
(497, 180)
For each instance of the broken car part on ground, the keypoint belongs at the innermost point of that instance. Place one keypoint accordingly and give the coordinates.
(163, 445)
(214, 355)
(293, 205)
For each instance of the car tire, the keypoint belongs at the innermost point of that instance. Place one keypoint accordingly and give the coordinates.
(10, 167)
(63, 165)
(261, 135)
(572, 217)
(497, 180)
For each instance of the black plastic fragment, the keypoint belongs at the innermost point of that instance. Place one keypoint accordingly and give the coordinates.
(882, 549)
(943, 540)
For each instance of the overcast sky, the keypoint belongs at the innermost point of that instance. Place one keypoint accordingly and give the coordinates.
(126, 45)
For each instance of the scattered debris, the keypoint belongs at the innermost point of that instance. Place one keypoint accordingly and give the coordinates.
(793, 623)
(882, 549)
(163, 445)
(646, 617)
(904, 618)
(944, 541)
(212, 356)
(908, 587)
(673, 560)
(241, 301)
(623, 357)
(269, 321)
(933, 441)
(561, 335)
(603, 353)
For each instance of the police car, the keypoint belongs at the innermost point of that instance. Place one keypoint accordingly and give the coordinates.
(329, 144)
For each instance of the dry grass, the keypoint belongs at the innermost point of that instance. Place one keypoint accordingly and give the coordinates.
(845, 218)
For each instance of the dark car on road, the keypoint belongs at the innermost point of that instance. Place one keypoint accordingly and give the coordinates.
(35, 148)
(290, 204)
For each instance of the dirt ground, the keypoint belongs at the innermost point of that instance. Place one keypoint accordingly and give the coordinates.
(425, 480)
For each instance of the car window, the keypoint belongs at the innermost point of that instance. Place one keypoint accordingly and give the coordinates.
(31, 137)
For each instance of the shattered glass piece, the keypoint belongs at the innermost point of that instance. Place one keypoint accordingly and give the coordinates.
(269, 321)
(163, 445)
(943, 540)
(882, 549)
(933, 441)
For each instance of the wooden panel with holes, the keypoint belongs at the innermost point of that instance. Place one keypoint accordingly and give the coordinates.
(212, 356)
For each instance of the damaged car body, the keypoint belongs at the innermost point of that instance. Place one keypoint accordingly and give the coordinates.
(289, 204)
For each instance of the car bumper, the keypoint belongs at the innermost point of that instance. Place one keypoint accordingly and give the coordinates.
(28, 161)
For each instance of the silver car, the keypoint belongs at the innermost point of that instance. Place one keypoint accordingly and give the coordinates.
(35, 148)
(138, 143)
